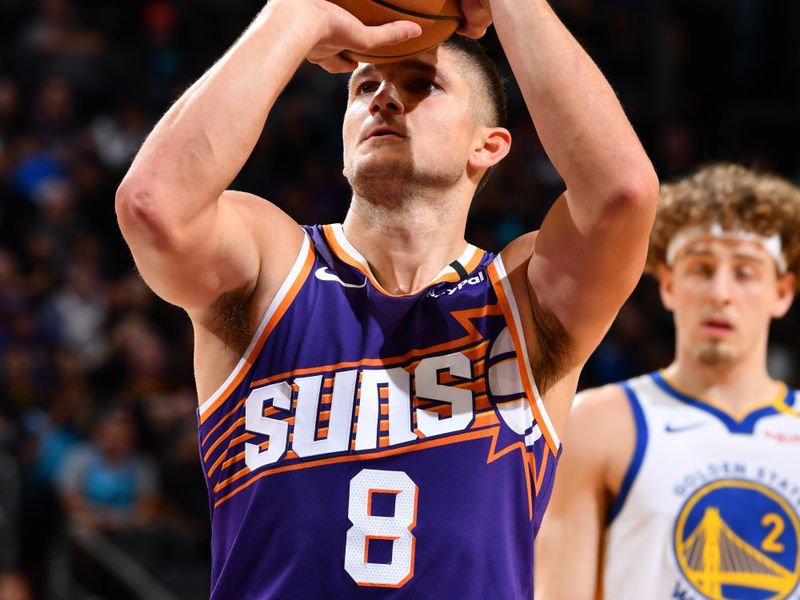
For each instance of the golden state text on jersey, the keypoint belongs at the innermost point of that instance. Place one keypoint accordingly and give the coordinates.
(371, 444)
(709, 507)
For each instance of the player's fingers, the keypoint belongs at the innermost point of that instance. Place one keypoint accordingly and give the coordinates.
(392, 33)
(336, 64)
(471, 31)
(476, 19)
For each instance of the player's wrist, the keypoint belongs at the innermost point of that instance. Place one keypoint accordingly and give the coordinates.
(301, 17)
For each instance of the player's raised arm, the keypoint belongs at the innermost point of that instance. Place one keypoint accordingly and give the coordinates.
(592, 245)
(191, 239)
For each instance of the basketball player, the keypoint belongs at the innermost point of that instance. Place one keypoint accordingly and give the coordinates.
(685, 483)
(375, 394)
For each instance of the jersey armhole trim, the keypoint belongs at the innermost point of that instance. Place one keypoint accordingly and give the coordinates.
(638, 452)
(508, 304)
(275, 311)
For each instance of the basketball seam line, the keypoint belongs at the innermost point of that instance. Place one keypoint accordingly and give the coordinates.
(393, 56)
(414, 13)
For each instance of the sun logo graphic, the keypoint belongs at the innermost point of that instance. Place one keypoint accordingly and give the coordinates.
(738, 540)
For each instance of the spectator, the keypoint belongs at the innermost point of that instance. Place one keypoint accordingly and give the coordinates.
(105, 484)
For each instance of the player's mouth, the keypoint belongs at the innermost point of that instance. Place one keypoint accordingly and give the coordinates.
(384, 132)
(717, 326)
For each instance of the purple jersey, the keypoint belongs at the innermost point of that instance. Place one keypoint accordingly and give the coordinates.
(375, 445)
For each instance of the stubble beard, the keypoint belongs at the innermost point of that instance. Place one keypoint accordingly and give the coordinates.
(395, 183)
(713, 354)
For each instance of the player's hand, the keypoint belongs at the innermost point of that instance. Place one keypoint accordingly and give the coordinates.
(477, 18)
(339, 30)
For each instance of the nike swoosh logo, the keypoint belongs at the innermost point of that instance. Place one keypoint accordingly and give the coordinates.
(678, 428)
(323, 275)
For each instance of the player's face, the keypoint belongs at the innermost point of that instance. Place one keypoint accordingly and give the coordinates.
(412, 122)
(723, 294)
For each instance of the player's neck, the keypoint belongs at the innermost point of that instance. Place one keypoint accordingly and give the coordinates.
(739, 386)
(407, 247)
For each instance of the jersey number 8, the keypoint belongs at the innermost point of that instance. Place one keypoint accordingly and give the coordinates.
(367, 527)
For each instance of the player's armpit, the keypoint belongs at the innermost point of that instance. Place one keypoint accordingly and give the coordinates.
(598, 435)
(583, 268)
(548, 341)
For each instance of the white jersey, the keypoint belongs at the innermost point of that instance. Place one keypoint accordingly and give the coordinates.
(709, 506)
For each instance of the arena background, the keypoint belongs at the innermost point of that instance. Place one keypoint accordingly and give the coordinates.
(92, 364)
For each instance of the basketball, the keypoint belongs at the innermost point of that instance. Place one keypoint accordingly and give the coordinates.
(438, 19)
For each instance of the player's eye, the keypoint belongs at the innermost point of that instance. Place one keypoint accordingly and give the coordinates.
(701, 269)
(366, 87)
(423, 84)
(745, 272)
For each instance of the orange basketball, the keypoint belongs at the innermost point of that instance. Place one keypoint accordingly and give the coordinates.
(438, 19)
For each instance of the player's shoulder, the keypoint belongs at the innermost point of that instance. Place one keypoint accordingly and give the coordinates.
(600, 414)
(518, 252)
(600, 401)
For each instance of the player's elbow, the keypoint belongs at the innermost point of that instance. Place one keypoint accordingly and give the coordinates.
(639, 190)
(139, 212)
(634, 199)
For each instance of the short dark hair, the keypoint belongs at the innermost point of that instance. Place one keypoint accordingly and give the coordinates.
(493, 82)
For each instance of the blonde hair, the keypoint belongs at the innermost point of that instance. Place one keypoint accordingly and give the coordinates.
(735, 198)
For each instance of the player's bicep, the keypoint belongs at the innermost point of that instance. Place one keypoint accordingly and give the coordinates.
(224, 248)
(581, 273)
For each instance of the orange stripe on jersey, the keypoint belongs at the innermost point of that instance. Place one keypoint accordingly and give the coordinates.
(472, 434)
(542, 468)
(300, 279)
(340, 252)
(223, 437)
(503, 300)
(475, 261)
(485, 419)
(493, 456)
(222, 420)
(421, 353)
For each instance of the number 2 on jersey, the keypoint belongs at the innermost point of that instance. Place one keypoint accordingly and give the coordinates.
(368, 527)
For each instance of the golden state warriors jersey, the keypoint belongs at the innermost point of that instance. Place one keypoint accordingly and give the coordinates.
(371, 445)
(709, 506)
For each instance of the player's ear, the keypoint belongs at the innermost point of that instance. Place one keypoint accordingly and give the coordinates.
(665, 281)
(492, 144)
(787, 284)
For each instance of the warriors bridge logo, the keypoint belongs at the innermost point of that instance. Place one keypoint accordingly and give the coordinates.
(737, 539)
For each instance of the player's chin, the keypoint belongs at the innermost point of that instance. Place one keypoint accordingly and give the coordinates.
(378, 165)
(715, 353)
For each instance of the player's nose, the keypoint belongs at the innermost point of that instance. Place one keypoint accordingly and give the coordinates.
(386, 99)
(721, 286)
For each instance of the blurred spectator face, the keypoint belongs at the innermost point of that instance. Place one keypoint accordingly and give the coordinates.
(57, 201)
(9, 102)
(84, 280)
(8, 270)
(116, 436)
(723, 294)
(55, 102)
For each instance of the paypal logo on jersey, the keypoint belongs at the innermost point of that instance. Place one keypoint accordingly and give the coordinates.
(480, 277)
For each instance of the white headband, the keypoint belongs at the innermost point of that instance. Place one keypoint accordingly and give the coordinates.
(771, 244)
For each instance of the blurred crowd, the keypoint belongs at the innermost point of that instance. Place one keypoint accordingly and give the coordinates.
(97, 403)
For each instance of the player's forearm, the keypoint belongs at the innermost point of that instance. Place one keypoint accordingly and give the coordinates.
(578, 118)
(201, 143)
